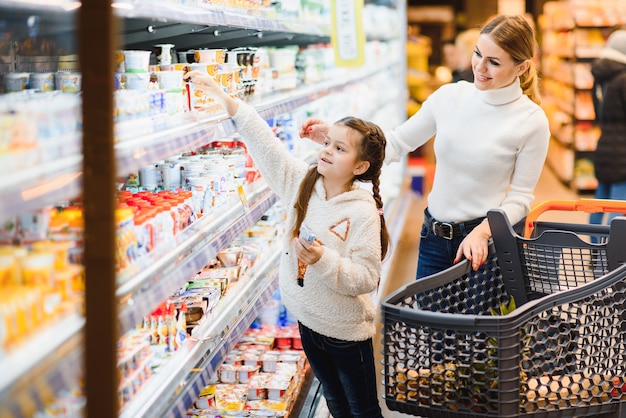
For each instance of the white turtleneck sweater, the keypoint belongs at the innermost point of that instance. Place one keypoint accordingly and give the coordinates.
(490, 148)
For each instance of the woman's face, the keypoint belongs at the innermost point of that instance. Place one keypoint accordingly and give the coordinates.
(493, 67)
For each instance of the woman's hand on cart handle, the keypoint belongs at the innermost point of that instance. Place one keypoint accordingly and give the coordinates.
(314, 129)
(475, 246)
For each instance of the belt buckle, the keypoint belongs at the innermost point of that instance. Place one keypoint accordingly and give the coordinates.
(442, 228)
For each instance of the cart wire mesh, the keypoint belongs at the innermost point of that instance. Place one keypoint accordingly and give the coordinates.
(560, 354)
(561, 256)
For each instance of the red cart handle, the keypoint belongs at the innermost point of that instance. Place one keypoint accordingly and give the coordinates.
(581, 205)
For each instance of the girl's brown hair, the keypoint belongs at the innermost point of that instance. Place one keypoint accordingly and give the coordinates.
(371, 149)
(516, 36)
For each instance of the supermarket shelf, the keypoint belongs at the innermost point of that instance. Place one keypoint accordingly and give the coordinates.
(261, 19)
(176, 386)
(153, 283)
(572, 34)
(147, 23)
(133, 154)
(40, 186)
(43, 185)
(30, 375)
(43, 5)
(144, 150)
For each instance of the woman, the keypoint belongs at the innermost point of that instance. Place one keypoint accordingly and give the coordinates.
(491, 141)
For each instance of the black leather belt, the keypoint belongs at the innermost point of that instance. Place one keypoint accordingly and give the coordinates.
(449, 230)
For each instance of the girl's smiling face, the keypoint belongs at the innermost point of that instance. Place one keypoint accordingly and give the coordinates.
(493, 67)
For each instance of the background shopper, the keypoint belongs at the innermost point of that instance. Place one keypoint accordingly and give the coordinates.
(609, 72)
(325, 282)
(491, 141)
(465, 42)
(451, 58)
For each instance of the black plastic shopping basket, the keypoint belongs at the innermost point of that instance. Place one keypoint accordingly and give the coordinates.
(562, 353)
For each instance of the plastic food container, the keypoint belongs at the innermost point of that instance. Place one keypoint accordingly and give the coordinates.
(37, 269)
(210, 56)
(244, 373)
(137, 81)
(42, 81)
(137, 61)
(70, 82)
(228, 373)
(15, 82)
(170, 80)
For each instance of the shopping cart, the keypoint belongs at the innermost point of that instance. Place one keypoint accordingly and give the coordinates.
(562, 353)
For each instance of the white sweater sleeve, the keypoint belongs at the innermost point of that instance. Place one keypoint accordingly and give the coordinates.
(281, 170)
(411, 134)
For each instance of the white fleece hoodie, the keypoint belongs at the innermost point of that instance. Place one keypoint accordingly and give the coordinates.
(335, 300)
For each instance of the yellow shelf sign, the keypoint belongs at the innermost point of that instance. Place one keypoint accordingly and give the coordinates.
(347, 37)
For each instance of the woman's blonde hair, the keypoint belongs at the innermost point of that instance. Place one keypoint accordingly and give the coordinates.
(517, 38)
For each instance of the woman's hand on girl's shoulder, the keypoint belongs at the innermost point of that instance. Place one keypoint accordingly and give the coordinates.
(314, 129)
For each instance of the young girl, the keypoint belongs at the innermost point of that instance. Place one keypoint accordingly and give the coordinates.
(326, 274)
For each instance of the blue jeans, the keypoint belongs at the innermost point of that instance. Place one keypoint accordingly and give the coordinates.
(435, 253)
(615, 191)
(346, 371)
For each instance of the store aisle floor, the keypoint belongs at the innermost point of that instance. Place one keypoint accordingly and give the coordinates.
(405, 260)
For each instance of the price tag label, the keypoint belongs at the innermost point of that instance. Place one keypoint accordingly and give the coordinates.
(243, 198)
(348, 37)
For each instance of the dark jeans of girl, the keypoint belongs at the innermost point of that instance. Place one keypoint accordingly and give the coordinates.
(346, 371)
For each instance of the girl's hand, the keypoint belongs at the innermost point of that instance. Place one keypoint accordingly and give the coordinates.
(314, 129)
(307, 252)
(475, 246)
(207, 84)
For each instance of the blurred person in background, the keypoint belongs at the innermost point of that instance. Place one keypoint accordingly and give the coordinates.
(450, 58)
(609, 94)
(457, 54)
(465, 43)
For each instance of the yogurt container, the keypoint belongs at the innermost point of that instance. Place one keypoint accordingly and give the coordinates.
(137, 81)
(137, 61)
(42, 81)
(149, 177)
(70, 82)
(170, 80)
(170, 175)
(16, 82)
(210, 56)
